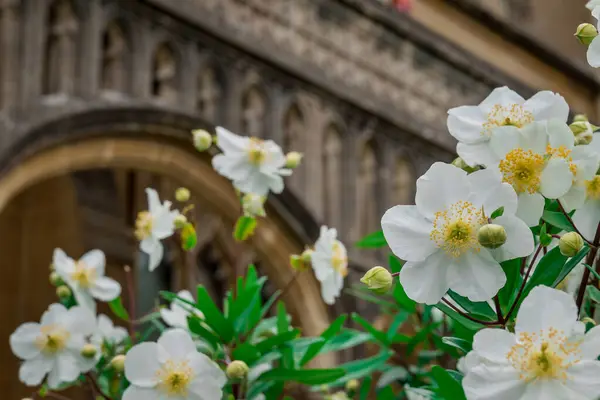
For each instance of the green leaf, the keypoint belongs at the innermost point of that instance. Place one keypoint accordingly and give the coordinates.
(399, 319)
(374, 240)
(283, 324)
(480, 310)
(512, 270)
(247, 353)
(365, 388)
(259, 388)
(421, 336)
(593, 293)
(570, 264)
(557, 219)
(305, 376)
(592, 270)
(244, 228)
(327, 334)
(361, 368)
(363, 293)
(213, 316)
(467, 323)
(404, 302)
(460, 344)
(497, 212)
(381, 337)
(545, 239)
(189, 238)
(194, 323)
(449, 388)
(245, 304)
(392, 375)
(116, 306)
(386, 393)
(277, 340)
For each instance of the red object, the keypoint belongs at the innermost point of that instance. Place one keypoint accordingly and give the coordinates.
(403, 5)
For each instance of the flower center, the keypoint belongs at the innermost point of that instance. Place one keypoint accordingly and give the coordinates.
(522, 169)
(564, 153)
(592, 188)
(544, 356)
(339, 261)
(510, 115)
(83, 275)
(175, 377)
(53, 339)
(257, 154)
(143, 225)
(455, 229)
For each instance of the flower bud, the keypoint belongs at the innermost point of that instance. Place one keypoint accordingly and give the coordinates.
(580, 127)
(570, 243)
(63, 292)
(378, 280)
(89, 351)
(237, 370)
(182, 194)
(460, 163)
(301, 262)
(118, 363)
(202, 139)
(180, 221)
(580, 118)
(352, 385)
(293, 159)
(55, 279)
(584, 139)
(253, 205)
(491, 236)
(586, 33)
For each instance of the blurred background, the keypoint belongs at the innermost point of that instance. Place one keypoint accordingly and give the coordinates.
(98, 98)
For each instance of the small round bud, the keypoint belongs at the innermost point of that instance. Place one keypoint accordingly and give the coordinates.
(89, 351)
(55, 279)
(63, 292)
(307, 256)
(378, 280)
(584, 139)
(182, 194)
(352, 385)
(586, 33)
(118, 363)
(180, 221)
(293, 159)
(460, 163)
(580, 118)
(302, 262)
(202, 139)
(237, 370)
(580, 127)
(570, 243)
(253, 205)
(491, 236)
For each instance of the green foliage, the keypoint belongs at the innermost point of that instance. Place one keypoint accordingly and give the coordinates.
(244, 228)
(374, 240)
(116, 306)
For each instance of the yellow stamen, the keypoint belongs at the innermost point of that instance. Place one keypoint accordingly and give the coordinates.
(257, 154)
(522, 169)
(339, 261)
(83, 275)
(143, 225)
(455, 229)
(510, 115)
(564, 153)
(52, 339)
(174, 378)
(592, 188)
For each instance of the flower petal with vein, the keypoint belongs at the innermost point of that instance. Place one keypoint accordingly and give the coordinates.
(330, 264)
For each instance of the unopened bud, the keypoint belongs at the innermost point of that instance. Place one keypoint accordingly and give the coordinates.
(293, 159)
(55, 279)
(302, 262)
(180, 221)
(63, 292)
(491, 236)
(378, 280)
(570, 243)
(580, 127)
(202, 139)
(584, 139)
(237, 370)
(182, 194)
(460, 163)
(352, 385)
(253, 205)
(580, 118)
(586, 33)
(118, 363)
(89, 351)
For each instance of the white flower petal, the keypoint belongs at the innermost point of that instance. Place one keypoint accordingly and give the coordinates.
(476, 276)
(63, 264)
(176, 317)
(94, 259)
(466, 124)
(84, 298)
(329, 289)
(534, 137)
(142, 393)
(593, 53)
(204, 389)
(586, 219)
(32, 372)
(559, 134)
(546, 308)
(549, 389)
(504, 139)
(177, 343)
(164, 223)
(547, 105)
(105, 289)
(494, 344)
(519, 239)
(66, 366)
(154, 204)
(489, 191)
(80, 320)
(468, 362)
(22, 341)
(230, 142)
(407, 233)
(55, 314)
(530, 208)
(142, 363)
(502, 96)
(442, 185)
(587, 161)
(590, 347)
(206, 368)
(583, 378)
(425, 281)
(477, 153)
(493, 383)
(556, 179)
(574, 198)
(155, 255)
(255, 182)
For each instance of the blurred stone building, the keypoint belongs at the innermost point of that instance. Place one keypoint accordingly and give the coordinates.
(97, 99)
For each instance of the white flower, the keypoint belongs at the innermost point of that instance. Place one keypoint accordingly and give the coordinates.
(177, 313)
(86, 277)
(53, 346)
(593, 52)
(330, 263)
(154, 225)
(468, 362)
(254, 165)
(107, 331)
(541, 160)
(253, 375)
(172, 369)
(587, 217)
(438, 237)
(474, 126)
(548, 356)
(592, 4)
